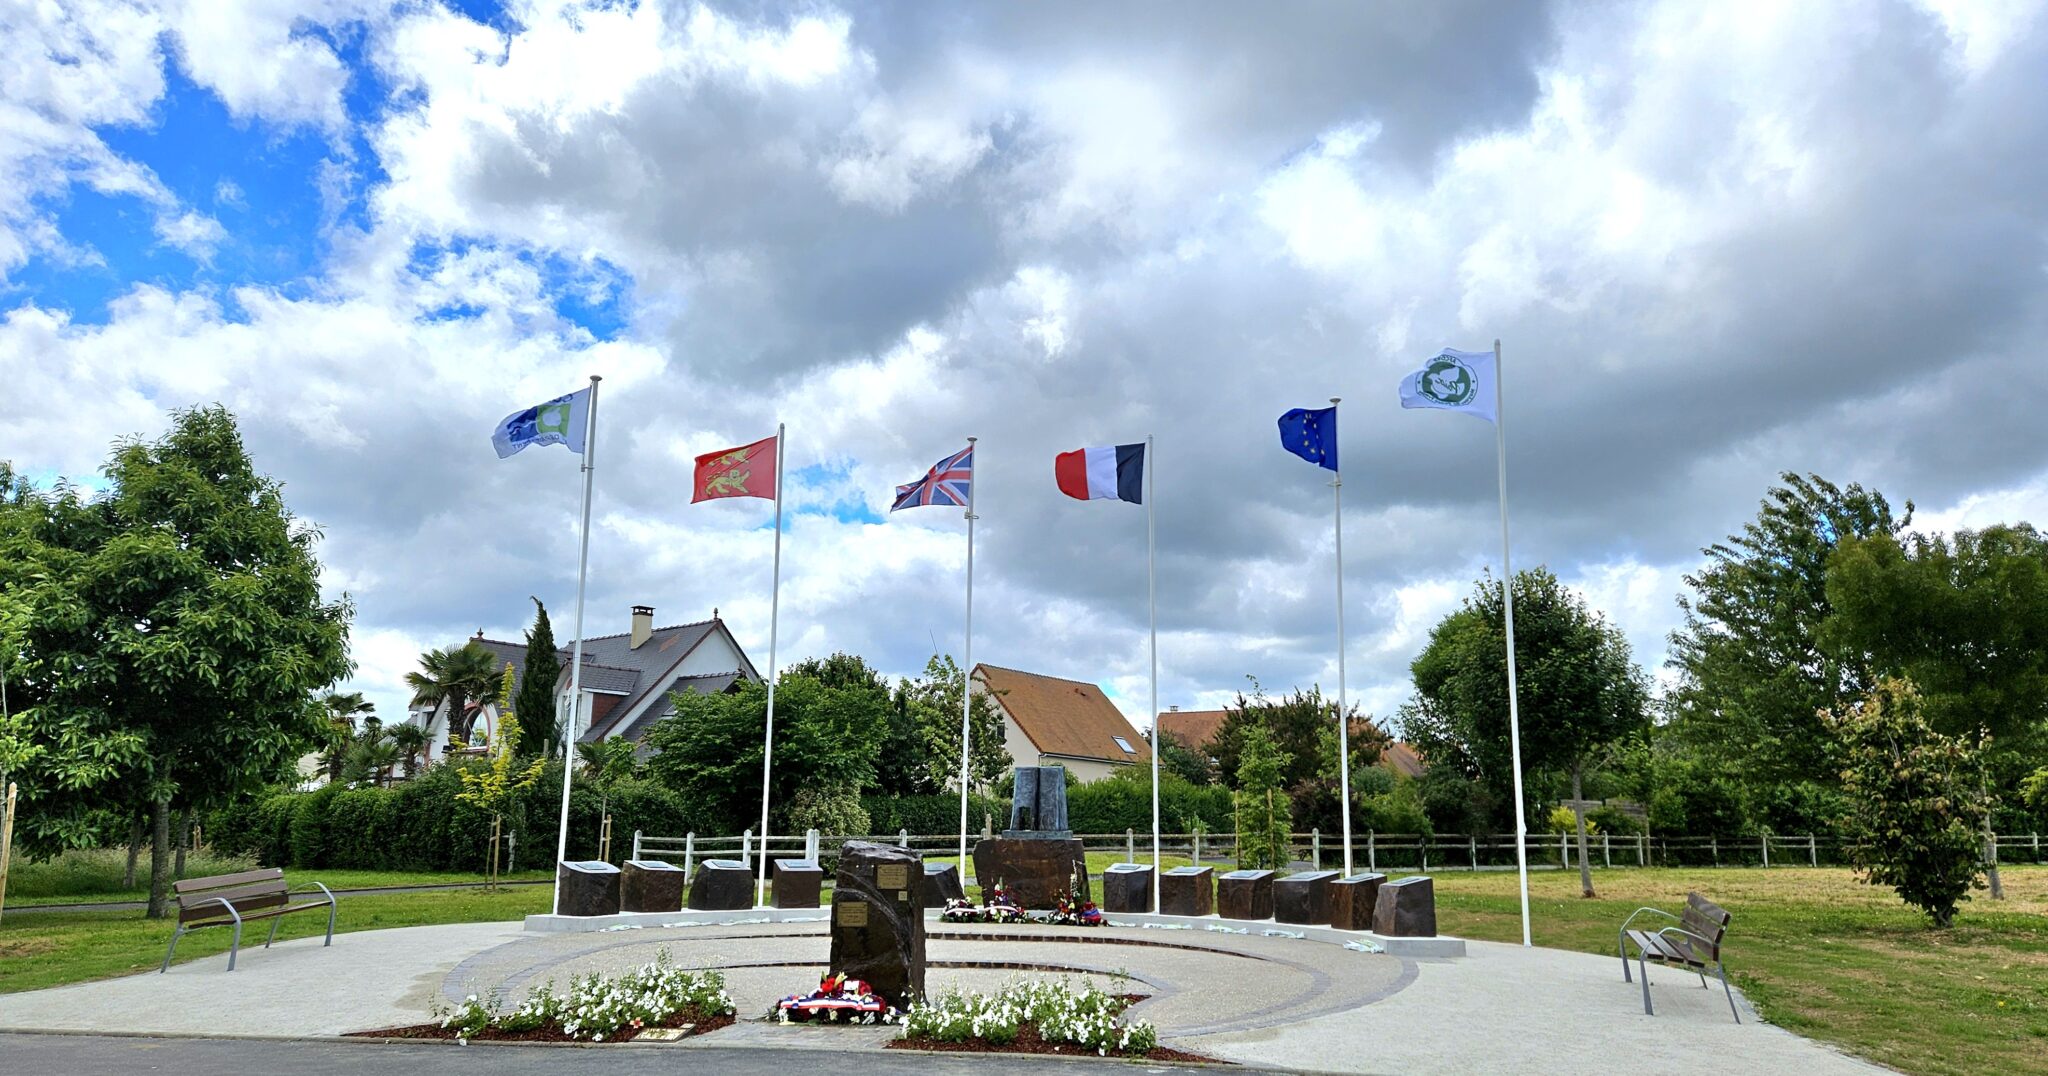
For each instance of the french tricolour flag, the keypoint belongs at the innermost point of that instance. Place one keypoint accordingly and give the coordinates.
(1088, 474)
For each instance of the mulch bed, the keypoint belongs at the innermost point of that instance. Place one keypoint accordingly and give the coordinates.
(550, 1033)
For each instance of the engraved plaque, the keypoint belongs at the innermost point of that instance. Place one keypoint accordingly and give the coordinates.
(852, 913)
(892, 876)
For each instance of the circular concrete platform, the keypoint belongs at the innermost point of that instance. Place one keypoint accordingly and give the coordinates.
(1196, 982)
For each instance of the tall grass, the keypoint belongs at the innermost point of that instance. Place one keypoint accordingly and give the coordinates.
(98, 872)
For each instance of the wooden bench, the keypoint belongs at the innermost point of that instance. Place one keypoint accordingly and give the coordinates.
(233, 899)
(1694, 943)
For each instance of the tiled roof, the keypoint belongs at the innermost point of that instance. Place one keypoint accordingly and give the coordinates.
(1402, 758)
(707, 684)
(1064, 717)
(1193, 728)
(608, 678)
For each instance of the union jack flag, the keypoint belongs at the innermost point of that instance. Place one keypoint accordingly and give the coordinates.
(948, 482)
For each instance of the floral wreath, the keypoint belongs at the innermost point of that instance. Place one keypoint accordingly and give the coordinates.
(838, 999)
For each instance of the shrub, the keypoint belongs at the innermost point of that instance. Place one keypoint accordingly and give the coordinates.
(599, 1007)
(1916, 800)
(1612, 820)
(1563, 819)
(833, 812)
(1085, 1016)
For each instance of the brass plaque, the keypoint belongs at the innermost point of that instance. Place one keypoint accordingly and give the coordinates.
(892, 876)
(851, 913)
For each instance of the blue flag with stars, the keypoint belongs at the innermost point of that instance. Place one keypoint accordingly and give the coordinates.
(1311, 434)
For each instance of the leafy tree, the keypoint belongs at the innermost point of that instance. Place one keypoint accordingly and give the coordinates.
(1753, 673)
(171, 635)
(1579, 689)
(607, 764)
(1916, 796)
(457, 676)
(709, 750)
(1294, 723)
(1265, 817)
(492, 788)
(932, 703)
(1966, 620)
(1184, 762)
(536, 698)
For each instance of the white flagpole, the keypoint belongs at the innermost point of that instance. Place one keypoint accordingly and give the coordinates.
(967, 665)
(576, 655)
(1507, 585)
(1152, 607)
(1343, 707)
(768, 740)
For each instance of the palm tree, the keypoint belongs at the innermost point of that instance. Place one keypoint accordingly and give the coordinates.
(342, 708)
(455, 676)
(410, 740)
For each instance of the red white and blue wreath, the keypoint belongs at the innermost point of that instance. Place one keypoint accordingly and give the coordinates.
(838, 999)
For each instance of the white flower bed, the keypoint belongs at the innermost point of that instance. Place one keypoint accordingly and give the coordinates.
(1062, 1013)
(598, 1007)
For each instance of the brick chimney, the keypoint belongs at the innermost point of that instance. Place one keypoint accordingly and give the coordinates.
(643, 624)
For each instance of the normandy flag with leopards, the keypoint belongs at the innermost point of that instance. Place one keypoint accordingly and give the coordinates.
(746, 471)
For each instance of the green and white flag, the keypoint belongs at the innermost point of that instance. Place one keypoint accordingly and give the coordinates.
(564, 420)
(1454, 381)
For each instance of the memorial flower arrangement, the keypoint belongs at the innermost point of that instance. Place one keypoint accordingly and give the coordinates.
(838, 999)
(1067, 913)
(1054, 1011)
(996, 907)
(601, 1007)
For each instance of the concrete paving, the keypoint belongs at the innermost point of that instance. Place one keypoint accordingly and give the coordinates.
(366, 979)
(1263, 1001)
(1510, 1009)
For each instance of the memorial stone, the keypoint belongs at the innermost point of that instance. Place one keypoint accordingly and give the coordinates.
(1188, 891)
(651, 885)
(941, 884)
(878, 921)
(1037, 858)
(797, 883)
(589, 887)
(1127, 887)
(1245, 895)
(1303, 897)
(721, 885)
(1406, 909)
(1352, 900)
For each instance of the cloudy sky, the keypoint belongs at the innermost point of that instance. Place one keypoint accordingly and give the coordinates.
(1717, 241)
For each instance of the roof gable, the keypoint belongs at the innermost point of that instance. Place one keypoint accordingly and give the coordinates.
(1064, 717)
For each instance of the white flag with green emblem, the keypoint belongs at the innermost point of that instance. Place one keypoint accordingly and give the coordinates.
(1454, 381)
(564, 420)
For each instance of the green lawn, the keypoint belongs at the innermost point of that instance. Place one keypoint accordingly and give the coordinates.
(95, 876)
(52, 948)
(1821, 954)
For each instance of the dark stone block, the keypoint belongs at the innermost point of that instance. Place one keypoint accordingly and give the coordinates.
(1038, 804)
(1188, 891)
(589, 888)
(1127, 887)
(1406, 909)
(1245, 895)
(651, 885)
(941, 884)
(721, 885)
(878, 921)
(1352, 900)
(1034, 871)
(797, 883)
(1303, 897)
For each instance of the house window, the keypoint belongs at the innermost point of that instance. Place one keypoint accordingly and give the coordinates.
(1125, 744)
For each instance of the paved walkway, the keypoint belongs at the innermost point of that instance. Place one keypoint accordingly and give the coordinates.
(1260, 1001)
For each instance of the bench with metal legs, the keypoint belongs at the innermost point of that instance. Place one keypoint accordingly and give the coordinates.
(1692, 943)
(230, 900)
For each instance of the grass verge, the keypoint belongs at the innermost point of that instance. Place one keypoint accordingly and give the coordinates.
(1820, 954)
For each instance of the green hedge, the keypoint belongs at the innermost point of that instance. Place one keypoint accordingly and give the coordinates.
(937, 813)
(1118, 804)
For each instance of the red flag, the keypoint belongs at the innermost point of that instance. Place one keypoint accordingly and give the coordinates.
(747, 471)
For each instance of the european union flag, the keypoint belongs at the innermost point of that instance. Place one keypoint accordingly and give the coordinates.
(1311, 434)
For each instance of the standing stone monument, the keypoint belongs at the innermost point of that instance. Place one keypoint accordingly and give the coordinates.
(1303, 897)
(878, 920)
(1188, 891)
(1406, 909)
(651, 885)
(1353, 900)
(1037, 857)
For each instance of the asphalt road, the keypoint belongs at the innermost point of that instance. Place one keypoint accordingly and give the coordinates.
(66, 1055)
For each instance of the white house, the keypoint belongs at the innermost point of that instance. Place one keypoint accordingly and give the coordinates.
(1049, 721)
(628, 676)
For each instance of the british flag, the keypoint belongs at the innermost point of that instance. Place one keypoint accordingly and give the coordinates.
(949, 482)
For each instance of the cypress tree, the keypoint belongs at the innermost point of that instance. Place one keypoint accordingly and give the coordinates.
(535, 703)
